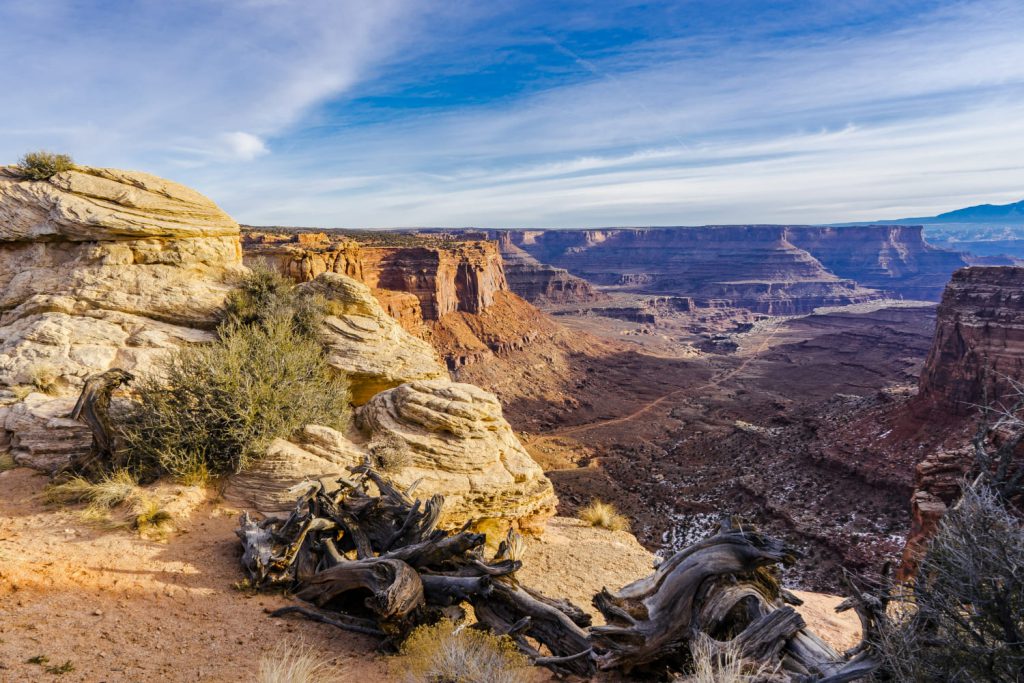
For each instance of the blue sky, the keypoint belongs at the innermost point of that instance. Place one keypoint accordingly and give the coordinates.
(533, 113)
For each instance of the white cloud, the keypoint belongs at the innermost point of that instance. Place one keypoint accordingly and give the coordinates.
(244, 146)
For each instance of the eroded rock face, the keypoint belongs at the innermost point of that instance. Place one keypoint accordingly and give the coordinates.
(756, 267)
(99, 268)
(318, 453)
(538, 282)
(462, 447)
(103, 268)
(979, 340)
(367, 344)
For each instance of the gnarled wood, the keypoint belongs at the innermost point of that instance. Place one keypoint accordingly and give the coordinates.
(93, 409)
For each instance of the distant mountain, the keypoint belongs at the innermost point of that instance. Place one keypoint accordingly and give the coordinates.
(982, 213)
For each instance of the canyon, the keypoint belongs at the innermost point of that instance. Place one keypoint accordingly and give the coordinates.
(682, 372)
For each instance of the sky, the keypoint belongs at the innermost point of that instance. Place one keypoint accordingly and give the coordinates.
(535, 113)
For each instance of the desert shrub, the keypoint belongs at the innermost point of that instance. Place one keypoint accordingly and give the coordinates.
(7, 461)
(44, 376)
(149, 517)
(43, 165)
(214, 408)
(446, 653)
(291, 662)
(721, 663)
(962, 619)
(390, 454)
(264, 295)
(604, 515)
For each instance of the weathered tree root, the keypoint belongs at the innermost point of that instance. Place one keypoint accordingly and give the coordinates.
(368, 558)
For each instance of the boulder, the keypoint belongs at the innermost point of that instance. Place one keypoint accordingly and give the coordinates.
(460, 446)
(320, 453)
(102, 268)
(366, 343)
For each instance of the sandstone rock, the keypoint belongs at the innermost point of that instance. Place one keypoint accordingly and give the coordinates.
(462, 447)
(39, 434)
(267, 485)
(978, 350)
(368, 344)
(538, 282)
(103, 268)
(765, 273)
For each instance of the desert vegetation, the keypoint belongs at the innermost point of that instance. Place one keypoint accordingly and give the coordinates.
(43, 165)
(292, 662)
(115, 499)
(448, 652)
(212, 409)
(604, 515)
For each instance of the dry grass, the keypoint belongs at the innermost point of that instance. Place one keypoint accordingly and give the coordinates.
(116, 500)
(721, 663)
(291, 662)
(445, 652)
(45, 377)
(604, 515)
(7, 462)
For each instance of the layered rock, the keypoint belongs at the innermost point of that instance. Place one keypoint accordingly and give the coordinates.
(538, 282)
(448, 289)
(976, 358)
(101, 268)
(366, 343)
(978, 350)
(893, 258)
(753, 267)
(461, 446)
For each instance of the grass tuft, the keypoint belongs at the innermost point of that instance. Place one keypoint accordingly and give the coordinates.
(291, 662)
(715, 662)
(390, 454)
(446, 652)
(45, 377)
(604, 515)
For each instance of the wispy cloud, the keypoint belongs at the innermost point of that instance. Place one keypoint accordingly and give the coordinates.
(789, 112)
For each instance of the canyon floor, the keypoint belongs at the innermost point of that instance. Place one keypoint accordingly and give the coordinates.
(781, 421)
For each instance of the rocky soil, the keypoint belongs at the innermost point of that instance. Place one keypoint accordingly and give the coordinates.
(123, 609)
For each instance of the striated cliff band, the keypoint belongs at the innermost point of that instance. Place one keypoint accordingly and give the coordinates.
(775, 269)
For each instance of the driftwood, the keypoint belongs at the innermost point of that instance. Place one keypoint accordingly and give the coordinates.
(93, 409)
(368, 558)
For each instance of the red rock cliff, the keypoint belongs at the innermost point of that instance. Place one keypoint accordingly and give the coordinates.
(451, 291)
(979, 340)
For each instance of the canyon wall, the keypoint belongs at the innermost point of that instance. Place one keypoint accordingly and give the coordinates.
(452, 292)
(891, 258)
(979, 340)
(976, 358)
(771, 269)
(754, 267)
(539, 282)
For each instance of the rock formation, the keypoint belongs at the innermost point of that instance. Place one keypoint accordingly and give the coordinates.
(752, 267)
(366, 343)
(891, 258)
(976, 358)
(450, 290)
(766, 268)
(979, 340)
(99, 268)
(538, 282)
(461, 446)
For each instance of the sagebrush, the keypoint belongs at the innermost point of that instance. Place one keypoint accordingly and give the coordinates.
(43, 165)
(214, 408)
(445, 652)
(962, 619)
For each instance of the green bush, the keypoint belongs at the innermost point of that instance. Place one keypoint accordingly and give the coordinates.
(963, 617)
(264, 295)
(43, 165)
(444, 653)
(215, 408)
